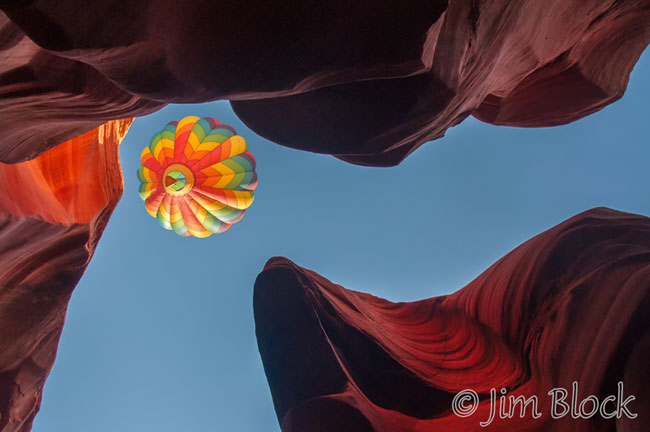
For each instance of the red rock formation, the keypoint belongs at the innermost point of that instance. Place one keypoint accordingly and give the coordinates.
(199, 50)
(46, 99)
(95, 62)
(571, 304)
(517, 63)
(369, 81)
(53, 209)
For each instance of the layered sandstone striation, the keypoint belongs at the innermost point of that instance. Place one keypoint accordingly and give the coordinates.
(516, 63)
(571, 304)
(53, 209)
(46, 99)
(369, 81)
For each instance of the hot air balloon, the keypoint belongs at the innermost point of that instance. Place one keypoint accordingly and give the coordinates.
(197, 177)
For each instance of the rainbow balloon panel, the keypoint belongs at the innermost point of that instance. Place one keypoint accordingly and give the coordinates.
(197, 177)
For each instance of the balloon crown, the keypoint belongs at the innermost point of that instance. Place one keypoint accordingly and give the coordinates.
(197, 177)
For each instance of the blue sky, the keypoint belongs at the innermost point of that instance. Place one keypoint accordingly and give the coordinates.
(160, 333)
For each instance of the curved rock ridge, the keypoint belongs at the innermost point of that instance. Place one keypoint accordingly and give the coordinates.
(571, 304)
(46, 99)
(515, 63)
(367, 81)
(202, 50)
(53, 209)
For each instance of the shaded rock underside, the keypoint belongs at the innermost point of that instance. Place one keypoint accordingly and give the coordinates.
(367, 81)
(571, 304)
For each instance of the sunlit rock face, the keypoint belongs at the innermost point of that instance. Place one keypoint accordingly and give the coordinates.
(369, 81)
(53, 209)
(571, 304)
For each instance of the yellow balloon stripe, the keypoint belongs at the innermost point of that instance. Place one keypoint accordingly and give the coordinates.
(232, 198)
(193, 224)
(185, 125)
(193, 141)
(157, 149)
(163, 212)
(148, 175)
(208, 204)
(208, 146)
(153, 202)
(244, 199)
(198, 211)
(238, 145)
(222, 176)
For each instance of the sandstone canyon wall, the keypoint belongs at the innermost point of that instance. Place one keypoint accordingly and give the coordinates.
(53, 209)
(368, 81)
(573, 303)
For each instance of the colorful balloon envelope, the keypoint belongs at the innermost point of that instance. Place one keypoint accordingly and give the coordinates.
(197, 177)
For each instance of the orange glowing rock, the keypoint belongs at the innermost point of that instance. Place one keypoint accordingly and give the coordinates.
(70, 183)
(53, 209)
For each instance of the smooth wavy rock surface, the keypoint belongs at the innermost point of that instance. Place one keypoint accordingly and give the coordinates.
(516, 63)
(571, 304)
(53, 209)
(199, 50)
(46, 99)
(369, 81)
